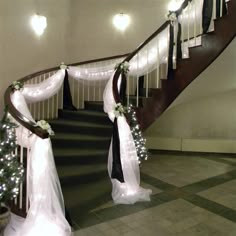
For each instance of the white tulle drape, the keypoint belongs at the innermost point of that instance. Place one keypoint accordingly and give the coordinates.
(130, 191)
(152, 55)
(94, 71)
(41, 91)
(46, 215)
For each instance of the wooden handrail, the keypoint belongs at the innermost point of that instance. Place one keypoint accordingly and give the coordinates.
(132, 54)
(24, 121)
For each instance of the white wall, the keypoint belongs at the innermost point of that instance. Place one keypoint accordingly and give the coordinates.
(21, 51)
(92, 32)
(207, 108)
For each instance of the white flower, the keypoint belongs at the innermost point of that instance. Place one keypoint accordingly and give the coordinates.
(63, 66)
(17, 85)
(119, 110)
(171, 16)
(44, 125)
(124, 67)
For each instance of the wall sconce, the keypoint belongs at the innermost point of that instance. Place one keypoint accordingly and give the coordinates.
(174, 5)
(39, 24)
(121, 21)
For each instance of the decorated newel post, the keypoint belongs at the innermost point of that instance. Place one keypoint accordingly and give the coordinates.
(127, 148)
(11, 171)
(46, 213)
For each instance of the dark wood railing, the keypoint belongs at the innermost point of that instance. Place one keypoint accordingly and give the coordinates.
(135, 52)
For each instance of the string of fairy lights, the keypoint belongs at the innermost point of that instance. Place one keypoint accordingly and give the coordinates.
(139, 140)
(11, 171)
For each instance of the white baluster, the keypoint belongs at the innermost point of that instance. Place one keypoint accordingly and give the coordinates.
(21, 185)
(94, 90)
(99, 90)
(27, 197)
(78, 94)
(137, 82)
(147, 75)
(16, 153)
(83, 94)
(57, 103)
(195, 23)
(48, 103)
(188, 22)
(158, 64)
(128, 81)
(43, 102)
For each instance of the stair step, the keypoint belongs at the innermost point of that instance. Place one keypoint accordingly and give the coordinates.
(79, 157)
(84, 197)
(83, 115)
(80, 127)
(75, 174)
(64, 140)
(95, 106)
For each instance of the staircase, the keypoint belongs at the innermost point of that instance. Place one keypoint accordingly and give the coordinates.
(80, 148)
(200, 57)
(82, 137)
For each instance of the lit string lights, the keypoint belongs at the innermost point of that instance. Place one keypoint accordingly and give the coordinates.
(139, 141)
(11, 171)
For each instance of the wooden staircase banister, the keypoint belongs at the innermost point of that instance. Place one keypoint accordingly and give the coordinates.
(142, 45)
(213, 44)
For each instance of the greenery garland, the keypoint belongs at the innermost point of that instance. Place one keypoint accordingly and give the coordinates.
(139, 141)
(11, 171)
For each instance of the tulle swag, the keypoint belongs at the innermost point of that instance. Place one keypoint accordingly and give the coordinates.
(130, 191)
(46, 214)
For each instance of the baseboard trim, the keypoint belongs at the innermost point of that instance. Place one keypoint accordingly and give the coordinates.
(192, 145)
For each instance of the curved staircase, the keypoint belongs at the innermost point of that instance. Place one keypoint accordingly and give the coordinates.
(82, 137)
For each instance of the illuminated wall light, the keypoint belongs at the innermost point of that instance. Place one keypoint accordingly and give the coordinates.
(174, 5)
(121, 21)
(39, 24)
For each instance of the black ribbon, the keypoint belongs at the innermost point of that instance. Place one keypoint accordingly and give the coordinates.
(206, 14)
(67, 98)
(179, 48)
(123, 89)
(117, 172)
(170, 74)
(224, 10)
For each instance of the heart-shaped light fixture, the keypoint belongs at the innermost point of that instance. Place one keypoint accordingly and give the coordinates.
(39, 24)
(174, 5)
(121, 21)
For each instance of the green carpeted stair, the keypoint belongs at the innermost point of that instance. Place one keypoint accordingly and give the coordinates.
(80, 147)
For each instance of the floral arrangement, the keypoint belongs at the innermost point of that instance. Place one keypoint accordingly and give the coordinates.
(123, 67)
(171, 16)
(17, 85)
(63, 66)
(119, 110)
(45, 125)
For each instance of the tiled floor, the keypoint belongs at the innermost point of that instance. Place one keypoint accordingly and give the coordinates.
(193, 194)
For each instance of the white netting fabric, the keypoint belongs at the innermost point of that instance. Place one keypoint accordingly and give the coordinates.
(130, 191)
(46, 215)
